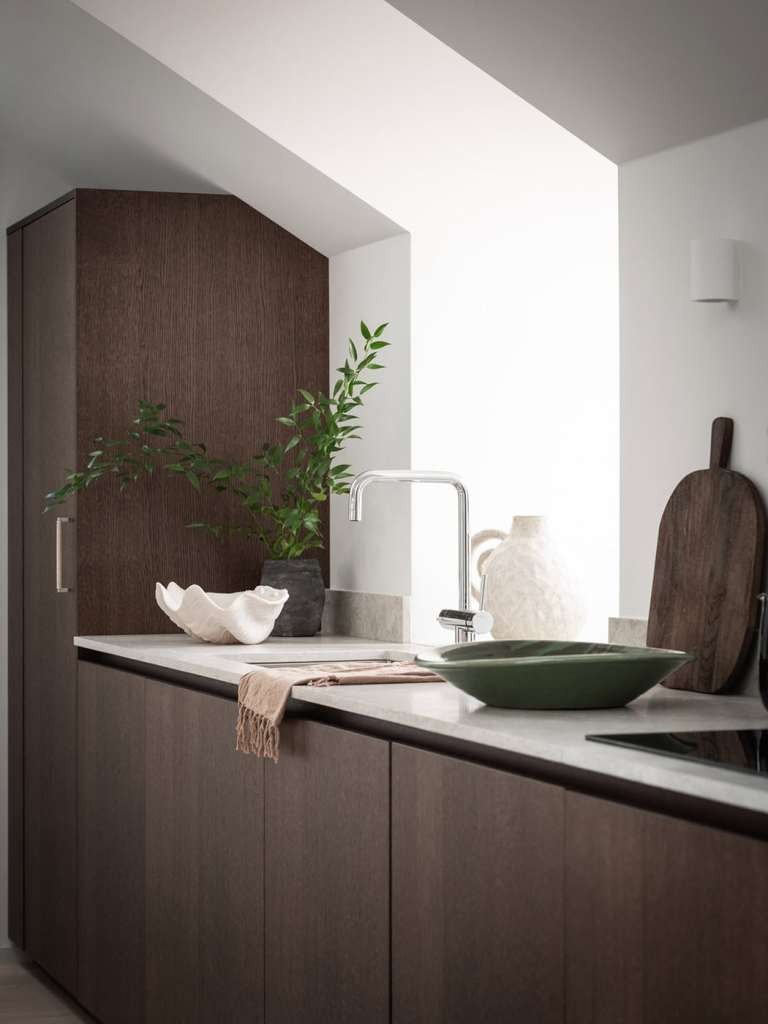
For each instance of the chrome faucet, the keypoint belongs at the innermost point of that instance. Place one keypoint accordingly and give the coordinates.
(465, 622)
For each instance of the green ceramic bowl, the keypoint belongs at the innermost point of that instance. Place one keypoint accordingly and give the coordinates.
(551, 673)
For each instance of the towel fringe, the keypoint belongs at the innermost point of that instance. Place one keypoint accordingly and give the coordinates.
(256, 734)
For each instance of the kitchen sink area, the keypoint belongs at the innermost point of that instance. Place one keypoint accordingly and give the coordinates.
(229, 662)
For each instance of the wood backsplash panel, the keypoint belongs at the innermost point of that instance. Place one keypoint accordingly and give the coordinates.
(200, 302)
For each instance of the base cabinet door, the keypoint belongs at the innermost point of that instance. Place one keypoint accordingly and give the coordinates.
(477, 893)
(204, 863)
(111, 891)
(666, 919)
(706, 921)
(327, 877)
(604, 912)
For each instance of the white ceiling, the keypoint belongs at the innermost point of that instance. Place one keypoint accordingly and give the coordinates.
(99, 112)
(629, 77)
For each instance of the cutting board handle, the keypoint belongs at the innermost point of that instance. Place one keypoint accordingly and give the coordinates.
(720, 448)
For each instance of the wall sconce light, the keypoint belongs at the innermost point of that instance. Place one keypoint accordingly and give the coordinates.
(714, 270)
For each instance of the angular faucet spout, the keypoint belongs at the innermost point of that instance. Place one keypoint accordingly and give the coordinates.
(356, 490)
(426, 476)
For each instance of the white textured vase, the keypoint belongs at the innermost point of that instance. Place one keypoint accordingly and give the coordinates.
(247, 617)
(530, 589)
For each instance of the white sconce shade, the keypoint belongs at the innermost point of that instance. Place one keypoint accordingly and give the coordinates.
(714, 270)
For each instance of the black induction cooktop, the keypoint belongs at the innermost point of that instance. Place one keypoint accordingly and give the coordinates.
(743, 750)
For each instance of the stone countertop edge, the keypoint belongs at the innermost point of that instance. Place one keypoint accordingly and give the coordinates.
(439, 708)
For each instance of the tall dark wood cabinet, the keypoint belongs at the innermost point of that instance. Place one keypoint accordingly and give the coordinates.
(477, 893)
(197, 301)
(48, 389)
(15, 653)
(327, 877)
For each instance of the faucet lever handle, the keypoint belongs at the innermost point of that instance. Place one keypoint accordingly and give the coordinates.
(481, 602)
(471, 623)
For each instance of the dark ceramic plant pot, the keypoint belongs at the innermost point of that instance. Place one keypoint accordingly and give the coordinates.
(302, 578)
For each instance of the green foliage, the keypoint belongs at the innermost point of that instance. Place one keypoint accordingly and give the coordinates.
(282, 488)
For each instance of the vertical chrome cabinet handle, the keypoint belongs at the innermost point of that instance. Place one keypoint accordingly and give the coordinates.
(60, 520)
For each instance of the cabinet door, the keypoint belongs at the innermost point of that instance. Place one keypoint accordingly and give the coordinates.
(706, 931)
(604, 912)
(327, 877)
(666, 919)
(15, 607)
(204, 863)
(477, 893)
(50, 618)
(111, 844)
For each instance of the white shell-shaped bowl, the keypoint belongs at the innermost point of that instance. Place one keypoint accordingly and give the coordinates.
(247, 617)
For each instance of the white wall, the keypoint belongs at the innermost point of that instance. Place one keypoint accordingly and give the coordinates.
(374, 283)
(513, 227)
(24, 186)
(682, 362)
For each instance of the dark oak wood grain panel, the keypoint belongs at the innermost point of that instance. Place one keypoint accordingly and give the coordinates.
(204, 863)
(709, 564)
(110, 888)
(327, 877)
(15, 653)
(203, 303)
(50, 619)
(706, 939)
(604, 912)
(477, 893)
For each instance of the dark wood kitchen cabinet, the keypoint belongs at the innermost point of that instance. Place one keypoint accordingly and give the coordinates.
(604, 912)
(204, 863)
(111, 836)
(43, 661)
(197, 301)
(327, 877)
(363, 879)
(477, 893)
(170, 855)
(666, 919)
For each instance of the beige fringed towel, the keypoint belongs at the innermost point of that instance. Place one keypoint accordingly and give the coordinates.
(263, 694)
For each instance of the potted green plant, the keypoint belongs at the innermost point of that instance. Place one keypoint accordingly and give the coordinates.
(281, 489)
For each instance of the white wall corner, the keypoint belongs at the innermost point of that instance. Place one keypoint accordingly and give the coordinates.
(373, 283)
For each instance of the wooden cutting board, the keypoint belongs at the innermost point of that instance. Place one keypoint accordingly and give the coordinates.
(709, 560)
